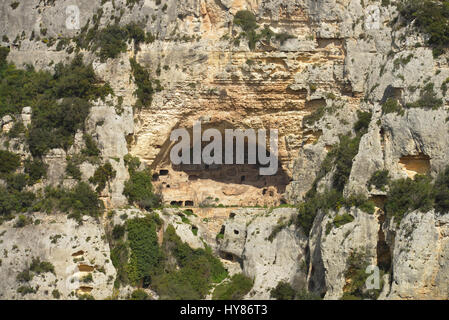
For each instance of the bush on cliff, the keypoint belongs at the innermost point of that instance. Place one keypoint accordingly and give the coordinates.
(235, 289)
(191, 274)
(9, 162)
(406, 195)
(78, 201)
(60, 101)
(139, 190)
(430, 17)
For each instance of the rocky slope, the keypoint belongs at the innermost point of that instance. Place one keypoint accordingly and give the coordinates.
(354, 88)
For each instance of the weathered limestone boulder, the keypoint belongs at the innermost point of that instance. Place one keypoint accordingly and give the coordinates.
(340, 57)
(416, 143)
(56, 161)
(87, 170)
(26, 116)
(330, 248)
(270, 248)
(421, 257)
(305, 168)
(419, 133)
(7, 123)
(111, 130)
(366, 162)
(75, 250)
(235, 232)
(184, 229)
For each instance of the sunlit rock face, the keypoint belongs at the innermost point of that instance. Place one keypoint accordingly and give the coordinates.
(326, 62)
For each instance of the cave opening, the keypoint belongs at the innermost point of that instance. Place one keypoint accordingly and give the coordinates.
(415, 164)
(238, 184)
(243, 174)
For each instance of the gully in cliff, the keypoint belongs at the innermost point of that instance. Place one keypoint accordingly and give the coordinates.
(212, 153)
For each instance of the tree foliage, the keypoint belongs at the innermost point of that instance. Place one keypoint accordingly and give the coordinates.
(60, 101)
(139, 190)
(430, 17)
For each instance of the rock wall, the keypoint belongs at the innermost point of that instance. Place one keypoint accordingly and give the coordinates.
(339, 58)
(74, 250)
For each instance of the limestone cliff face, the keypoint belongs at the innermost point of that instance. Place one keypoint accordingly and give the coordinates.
(75, 252)
(334, 60)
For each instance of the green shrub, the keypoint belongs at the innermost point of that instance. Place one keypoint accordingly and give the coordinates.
(441, 192)
(306, 295)
(406, 195)
(36, 169)
(102, 175)
(136, 33)
(193, 274)
(22, 221)
(139, 190)
(428, 98)
(56, 294)
(174, 271)
(246, 20)
(23, 290)
(37, 266)
(315, 202)
(283, 291)
(79, 201)
(132, 163)
(73, 170)
(60, 101)
(16, 182)
(16, 130)
(392, 105)
(341, 220)
(118, 232)
(430, 17)
(119, 258)
(340, 159)
(362, 124)
(325, 202)
(77, 80)
(15, 201)
(146, 86)
(90, 149)
(87, 278)
(312, 118)
(284, 36)
(235, 289)
(25, 276)
(146, 255)
(344, 155)
(367, 206)
(356, 276)
(140, 294)
(112, 40)
(9, 162)
(4, 52)
(54, 124)
(277, 228)
(379, 179)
